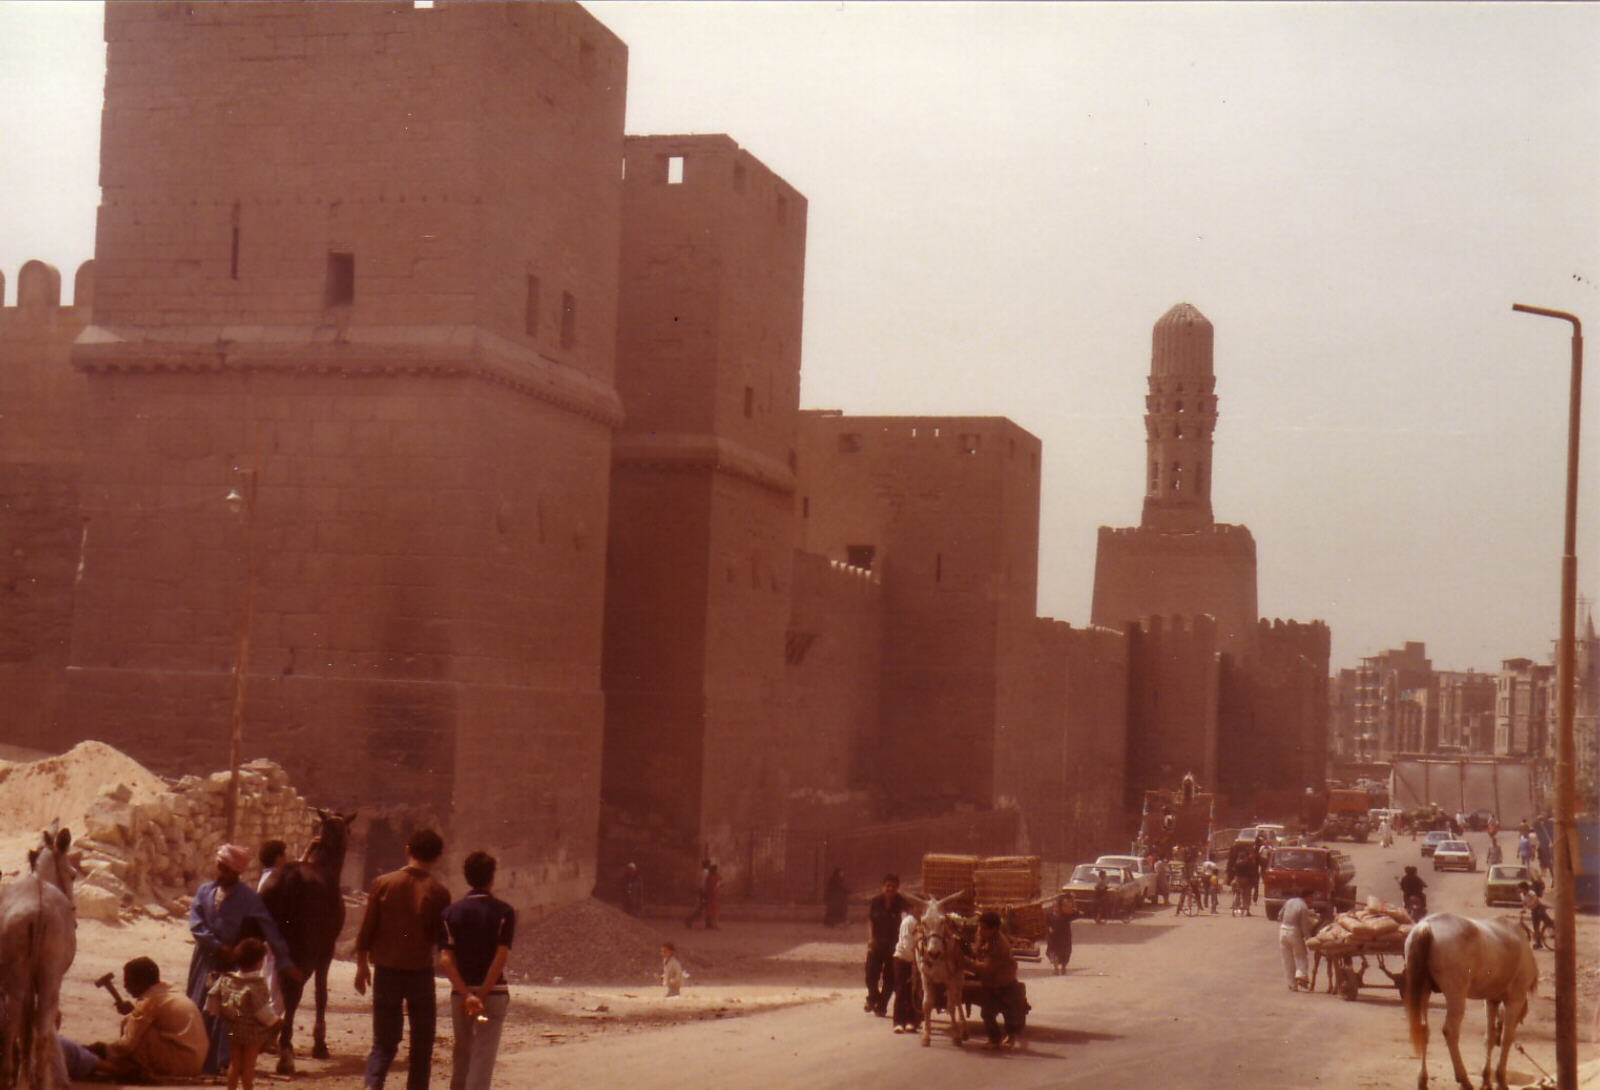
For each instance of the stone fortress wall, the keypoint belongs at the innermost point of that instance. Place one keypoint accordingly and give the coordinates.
(545, 551)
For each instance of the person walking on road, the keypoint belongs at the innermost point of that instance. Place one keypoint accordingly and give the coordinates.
(1295, 925)
(474, 943)
(883, 932)
(700, 902)
(395, 954)
(1059, 944)
(835, 899)
(906, 1016)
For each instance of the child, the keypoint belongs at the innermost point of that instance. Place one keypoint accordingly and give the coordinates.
(671, 969)
(240, 997)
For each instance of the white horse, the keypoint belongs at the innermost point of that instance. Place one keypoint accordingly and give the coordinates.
(1468, 959)
(38, 940)
(939, 965)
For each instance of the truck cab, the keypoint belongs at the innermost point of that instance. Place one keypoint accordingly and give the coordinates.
(1327, 872)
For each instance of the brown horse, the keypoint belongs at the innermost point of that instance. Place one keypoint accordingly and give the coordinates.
(307, 904)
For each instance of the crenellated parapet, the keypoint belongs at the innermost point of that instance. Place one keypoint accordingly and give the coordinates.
(1310, 640)
(1217, 539)
(39, 293)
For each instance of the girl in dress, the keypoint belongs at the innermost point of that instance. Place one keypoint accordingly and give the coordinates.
(242, 1000)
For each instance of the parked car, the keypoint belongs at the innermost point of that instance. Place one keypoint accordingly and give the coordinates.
(1454, 853)
(1142, 872)
(1478, 820)
(1500, 884)
(1123, 889)
(1433, 838)
(1247, 835)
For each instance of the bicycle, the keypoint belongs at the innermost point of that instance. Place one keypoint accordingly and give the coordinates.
(1241, 899)
(1191, 900)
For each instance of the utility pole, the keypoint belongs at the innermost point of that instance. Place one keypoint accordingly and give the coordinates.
(1566, 845)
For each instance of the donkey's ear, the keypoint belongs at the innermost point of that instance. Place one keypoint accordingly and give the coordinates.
(33, 857)
(321, 813)
(350, 818)
(63, 841)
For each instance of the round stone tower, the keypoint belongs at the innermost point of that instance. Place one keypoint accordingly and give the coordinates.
(1180, 413)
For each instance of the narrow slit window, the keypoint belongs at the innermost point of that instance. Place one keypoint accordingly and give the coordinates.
(233, 252)
(674, 170)
(341, 285)
(938, 567)
(530, 308)
(569, 320)
(749, 402)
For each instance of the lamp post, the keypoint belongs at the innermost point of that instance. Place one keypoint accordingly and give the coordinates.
(242, 497)
(1566, 846)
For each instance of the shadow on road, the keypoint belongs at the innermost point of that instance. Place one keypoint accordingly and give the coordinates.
(1120, 934)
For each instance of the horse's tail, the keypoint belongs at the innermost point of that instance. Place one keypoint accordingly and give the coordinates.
(1418, 985)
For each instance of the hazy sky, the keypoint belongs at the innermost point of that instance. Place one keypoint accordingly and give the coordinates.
(1003, 199)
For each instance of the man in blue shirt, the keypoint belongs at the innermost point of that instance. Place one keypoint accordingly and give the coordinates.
(223, 912)
(474, 943)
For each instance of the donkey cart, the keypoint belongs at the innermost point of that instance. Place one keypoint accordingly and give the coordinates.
(1348, 962)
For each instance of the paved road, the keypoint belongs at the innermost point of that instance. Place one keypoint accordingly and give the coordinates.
(1161, 1002)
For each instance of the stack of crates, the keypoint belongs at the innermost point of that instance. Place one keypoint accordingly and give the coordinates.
(943, 875)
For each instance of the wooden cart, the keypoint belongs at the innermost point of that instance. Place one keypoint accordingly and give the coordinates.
(1349, 961)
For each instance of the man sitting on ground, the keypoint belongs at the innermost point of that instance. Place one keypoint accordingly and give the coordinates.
(163, 1037)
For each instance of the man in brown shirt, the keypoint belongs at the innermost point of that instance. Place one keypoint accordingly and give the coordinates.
(1000, 994)
(163, 1036)
(399, 936)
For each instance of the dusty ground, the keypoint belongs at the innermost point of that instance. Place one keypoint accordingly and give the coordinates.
(1166, 1002)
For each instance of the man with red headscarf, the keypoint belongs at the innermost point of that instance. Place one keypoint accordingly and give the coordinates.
(224, 911)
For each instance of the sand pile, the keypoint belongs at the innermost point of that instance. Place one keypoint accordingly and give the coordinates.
(34, 794)
(587, 942)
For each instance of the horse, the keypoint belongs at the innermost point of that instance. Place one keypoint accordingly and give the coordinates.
(38, 941)
(939, 967)
(306, 903)
(1468, 959)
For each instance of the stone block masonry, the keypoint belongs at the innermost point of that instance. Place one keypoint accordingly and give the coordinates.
(331, 249)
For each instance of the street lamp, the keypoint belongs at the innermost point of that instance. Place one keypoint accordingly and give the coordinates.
(1566, 846)
(237, 499)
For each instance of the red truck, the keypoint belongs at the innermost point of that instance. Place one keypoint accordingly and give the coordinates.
(1337, 812)
(1326, 872)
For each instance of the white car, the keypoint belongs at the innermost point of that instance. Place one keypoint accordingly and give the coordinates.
(1141, 872)
(1455, 853)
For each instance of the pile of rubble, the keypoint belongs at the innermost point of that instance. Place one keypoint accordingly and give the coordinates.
(146, 843)
(588, 942)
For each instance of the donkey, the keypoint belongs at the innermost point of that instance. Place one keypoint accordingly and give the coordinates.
(1468, 959)
(306, 903)
(940, 967)
(38, 941)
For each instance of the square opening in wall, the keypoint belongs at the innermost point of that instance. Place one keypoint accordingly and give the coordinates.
(674, 170)
(849, 442)
(860, 556)
(340, 288)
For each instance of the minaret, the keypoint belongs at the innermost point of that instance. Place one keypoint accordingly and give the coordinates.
(1180, 413)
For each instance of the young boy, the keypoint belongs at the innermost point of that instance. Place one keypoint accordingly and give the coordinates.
(671, 969)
